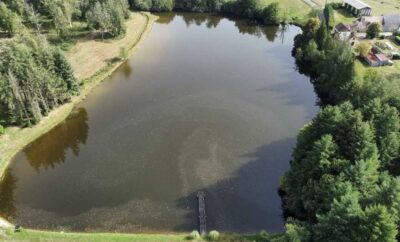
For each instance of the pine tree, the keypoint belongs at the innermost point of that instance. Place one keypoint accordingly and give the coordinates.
(64, 71)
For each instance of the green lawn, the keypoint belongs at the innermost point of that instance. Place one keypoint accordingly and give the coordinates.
(294, 9)
(342, 16)
(379, 7)
(34, 235)
(39, 236)
(388, 71)
(384, 6)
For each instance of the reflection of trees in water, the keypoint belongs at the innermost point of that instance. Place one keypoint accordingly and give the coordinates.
(244, 26)
(7, 188)
(126, 69)
(210, 20)
(51, 148)
(270, 32)
(165, 18)
(282, 30)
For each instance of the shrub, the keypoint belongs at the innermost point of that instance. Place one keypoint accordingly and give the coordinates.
(270, 14)
(263, 234)
(397, 40)
(1, 129)
(193, 235)
(363, 48)
(213, 235)
(374, 30)
(123, 53)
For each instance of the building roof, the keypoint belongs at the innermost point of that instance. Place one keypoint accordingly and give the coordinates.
(371, 59)
(381, 57)
(372, 19)
(357, 4)
(391, 22)
(343, 27)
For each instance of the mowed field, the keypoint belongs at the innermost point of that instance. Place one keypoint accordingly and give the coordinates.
(379, 7)
(384, 6)
(293, 8)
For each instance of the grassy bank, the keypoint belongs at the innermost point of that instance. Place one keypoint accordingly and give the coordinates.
(101, 62)
(36, 235)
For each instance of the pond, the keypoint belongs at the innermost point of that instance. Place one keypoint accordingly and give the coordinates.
(207, 104)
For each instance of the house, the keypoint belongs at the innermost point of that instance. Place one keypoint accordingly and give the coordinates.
(357, 7)
(342, 28)
(391, 23)
(374, 58)
(371, 59)
(343, 31)
(362, 24)
(383, 60)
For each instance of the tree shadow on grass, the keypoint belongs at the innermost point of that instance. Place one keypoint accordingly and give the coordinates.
(249, 201)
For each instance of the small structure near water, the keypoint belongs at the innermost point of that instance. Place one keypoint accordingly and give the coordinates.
(201, 197)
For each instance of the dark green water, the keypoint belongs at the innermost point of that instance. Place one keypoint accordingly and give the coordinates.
(207, 103)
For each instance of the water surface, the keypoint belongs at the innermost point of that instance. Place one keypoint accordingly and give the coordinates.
(207, 103)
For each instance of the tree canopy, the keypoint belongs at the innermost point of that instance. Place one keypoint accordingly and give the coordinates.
(34, 78)
(343, 184)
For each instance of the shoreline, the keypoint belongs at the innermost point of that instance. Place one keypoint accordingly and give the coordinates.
(16, 139)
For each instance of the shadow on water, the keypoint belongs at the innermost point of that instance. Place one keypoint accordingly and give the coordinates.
(244, 202)
(165, 18)
(293, 96)
(7, 189)
(44, 153)
(126, 69)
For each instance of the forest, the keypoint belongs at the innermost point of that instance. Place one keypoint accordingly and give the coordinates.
(343, 182)
(35, 76)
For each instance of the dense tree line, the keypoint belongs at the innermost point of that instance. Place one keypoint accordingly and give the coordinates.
(34, 75)
(34, 78)
(343, 183)
(251, 9)
(106, 16)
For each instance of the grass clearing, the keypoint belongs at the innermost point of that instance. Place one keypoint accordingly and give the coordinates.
(36, 235)
(379, 7)
(82, 58)
(294, 9)
(342, 16)
(39, 236)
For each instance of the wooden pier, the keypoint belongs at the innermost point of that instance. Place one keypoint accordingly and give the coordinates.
(201, 197)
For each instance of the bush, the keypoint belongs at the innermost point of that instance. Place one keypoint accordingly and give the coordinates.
(397, 40)
(270, 14)
(193, 235)
(264, 234)
(374, 30)
(1, 129)
(9, 21)
(213, 235)
(123, 53)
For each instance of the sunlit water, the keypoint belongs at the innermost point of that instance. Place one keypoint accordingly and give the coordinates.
(206, 103)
